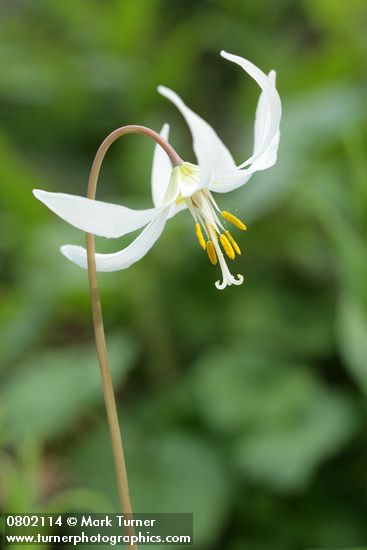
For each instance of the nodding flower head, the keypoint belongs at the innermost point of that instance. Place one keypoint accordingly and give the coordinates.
(180, 186)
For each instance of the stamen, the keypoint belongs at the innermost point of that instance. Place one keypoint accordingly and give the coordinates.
(213, 236)
(211, 252)
(211, 198)
(233, 243)
(227, 247)
(233, 219)
(200, 237)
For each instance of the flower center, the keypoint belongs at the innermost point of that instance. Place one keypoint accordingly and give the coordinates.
(213, 236)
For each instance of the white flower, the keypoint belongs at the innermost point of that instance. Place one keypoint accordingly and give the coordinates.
(185, 186)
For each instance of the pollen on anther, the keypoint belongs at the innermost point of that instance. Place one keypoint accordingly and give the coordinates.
(212, 255)
(233, 219)
(200, 236)
(227, 247)
(233, 243)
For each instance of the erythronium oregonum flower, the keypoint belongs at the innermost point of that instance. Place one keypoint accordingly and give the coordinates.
(183, 186)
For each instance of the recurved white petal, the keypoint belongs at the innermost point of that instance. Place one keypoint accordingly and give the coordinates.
(230, 181)
(262, 118)
(100, 218)
(237, 178)
(171, 197)
(176, 207)
(213, 156)
(269, 110)
(268, 157)
(161, 170)
(124, 258)
(266, 132)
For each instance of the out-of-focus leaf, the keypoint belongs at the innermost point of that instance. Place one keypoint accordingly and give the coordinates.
(256, 543)
(283, 421)
(331, 202)
(16, 188)
(167, 472)
(352, 332)
(322, 116)
(282, 321)
(47, 394)
(286, 456)
(78, 500)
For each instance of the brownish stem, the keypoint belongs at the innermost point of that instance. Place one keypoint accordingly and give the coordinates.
(132, 129)
(109, 397)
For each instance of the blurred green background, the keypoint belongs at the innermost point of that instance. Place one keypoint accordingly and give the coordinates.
(247, 406)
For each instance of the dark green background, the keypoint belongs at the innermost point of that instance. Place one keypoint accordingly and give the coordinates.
(247, 406)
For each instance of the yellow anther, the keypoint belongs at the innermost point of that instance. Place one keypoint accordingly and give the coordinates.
(200, 236)
(233, 243)
(212, 255)
(227, 247)
(233, 219)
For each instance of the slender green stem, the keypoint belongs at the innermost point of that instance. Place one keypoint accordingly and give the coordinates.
(109, 397)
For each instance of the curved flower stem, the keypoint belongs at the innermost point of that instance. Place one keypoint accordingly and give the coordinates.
(109, 397)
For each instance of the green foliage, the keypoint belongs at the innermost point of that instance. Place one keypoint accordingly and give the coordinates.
(352, 339)
(162, 476)
(246, 407)
(64, 383)
(298, 424)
